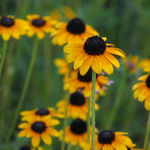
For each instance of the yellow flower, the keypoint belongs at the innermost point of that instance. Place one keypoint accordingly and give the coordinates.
(39, 113)
(131, 63)
(40, 25)
(94, 53)
(109, 140)
(38, 129)
(68, 12)
(78, 106)
(84, 83)
(55, 14)
(75, 30)
(76, 133)
(142, 90)
(10, 26)
(63, 67)
(144, 64)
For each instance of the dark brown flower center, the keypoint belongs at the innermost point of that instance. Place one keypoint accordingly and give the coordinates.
(87, 77)
(76, 26)
(78, 126)
(128, 148)
(77, 98)
(38, 127)
(106, 137)
(94, 45)
(39, 22)
(7, 21)
(42, 112)
(25, 147)
(148, 81)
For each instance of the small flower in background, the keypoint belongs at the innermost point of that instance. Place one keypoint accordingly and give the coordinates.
(94, 53)
(39, 129)
(131, 63)
(68, 12)
(75, 30)
(63, 67)
(40, 25)
(144, 64)
(55, 14)
(78, 106)
(76, 133)
(84, 83)
(64, 11)
(142, 90)
(38, 113)
(11, 26)
(109, 140)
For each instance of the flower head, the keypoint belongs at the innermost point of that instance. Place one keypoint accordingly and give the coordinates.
(84, 83)
(142, 90)
(26, 147)
(11, 26)
(78, 106)
(75, 30)
(144, 64)
(40, 113)
(94, 53)
(40, 25)
(76, 133)
(131, 63)
(37, 129)
(110, 140)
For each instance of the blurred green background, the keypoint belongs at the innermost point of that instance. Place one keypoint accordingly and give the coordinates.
(125, 23)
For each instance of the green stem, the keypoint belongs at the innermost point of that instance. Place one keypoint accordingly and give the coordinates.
(88, 119)
(3, 57)
(65, 124)
(147, 135)
(69, 147)
(118, 100)
(93, 109)
(32, 62)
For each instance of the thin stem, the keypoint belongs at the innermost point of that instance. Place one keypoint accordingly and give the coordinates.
(147, 135)
(88, 119)
(77, 147)
(69, 147)
(65, 124)
(3, 57)
(32, 62)
(118, 100)
(93, 109)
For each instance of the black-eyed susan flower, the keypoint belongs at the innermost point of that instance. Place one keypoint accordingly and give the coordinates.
(84, 83)
(76, 133)
(37, 129)
(40, 25)
(38, 113)
(109, 140)
(142, 90)
(144, 64)
(133, 148)
(94, 53)
(26, 147)
(78, 106)
(75, 30)
(131, 63)
(63, 67)
(11, 26)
